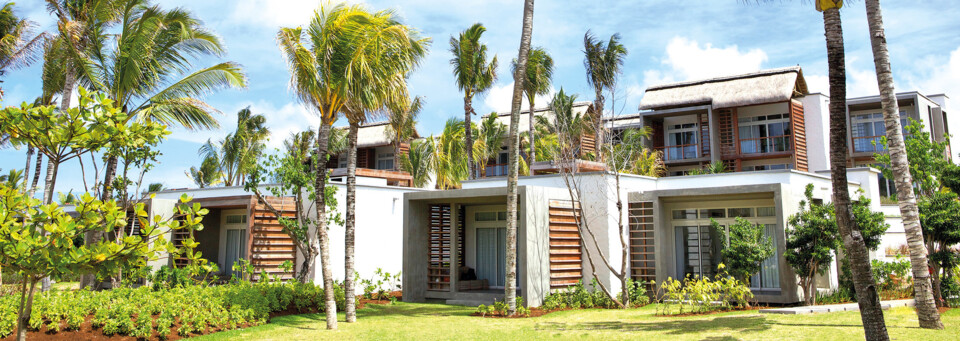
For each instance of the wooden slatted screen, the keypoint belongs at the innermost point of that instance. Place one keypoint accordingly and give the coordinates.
(657, 135)
(177, 238)
(270, 245)
(643, 255)
(727, 127)
(461, 232)
(799, 135)
(363, 158)
(703, 121)
(438, 268)
(566, 263)
(587, 143)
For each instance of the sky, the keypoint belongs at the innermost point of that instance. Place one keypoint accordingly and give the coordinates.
(667, 41)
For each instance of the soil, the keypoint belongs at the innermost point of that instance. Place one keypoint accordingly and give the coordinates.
(88, 332)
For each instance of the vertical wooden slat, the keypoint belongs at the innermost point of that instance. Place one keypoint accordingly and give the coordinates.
(438, 266)
(703, 122)
(799, 136)
(566, 263)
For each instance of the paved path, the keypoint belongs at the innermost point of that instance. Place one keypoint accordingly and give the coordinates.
(834, 307)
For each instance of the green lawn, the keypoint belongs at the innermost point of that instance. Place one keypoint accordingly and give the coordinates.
(436, 321)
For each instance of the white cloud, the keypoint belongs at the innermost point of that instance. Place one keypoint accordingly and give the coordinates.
(283, 121)
(273, 13)
(938, 75)
(686, 59)
(818, 83)
(500, 98)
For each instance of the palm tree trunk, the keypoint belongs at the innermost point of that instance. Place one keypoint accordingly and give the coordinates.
(531, 158)
(510, 287)
(26, 168)
(871, 313)
(36, 175)
(468, 133)
(926, 304)
(598, 125)
(351, 223)
(320, 162)
(396, 155)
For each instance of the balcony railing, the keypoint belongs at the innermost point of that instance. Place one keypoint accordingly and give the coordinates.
(492, 170)
(761, 145)
(865, 144)
(680, 152)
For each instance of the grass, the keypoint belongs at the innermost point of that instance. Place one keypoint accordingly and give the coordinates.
(408, 321)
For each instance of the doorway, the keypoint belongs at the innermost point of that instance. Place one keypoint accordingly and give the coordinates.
(234, 227)
(492, 255)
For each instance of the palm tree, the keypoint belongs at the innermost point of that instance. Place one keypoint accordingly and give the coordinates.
(474, 77)
(237, 153)
(18, 44)
(926, 303)
(207, 175)
(536, 83)
(402, 125)
(568, 125)
(489, 141)
(867, 298)
(519, 75)
(603, 63)
(145, 69)
(449, 159)
(418, 161)
(630, 155)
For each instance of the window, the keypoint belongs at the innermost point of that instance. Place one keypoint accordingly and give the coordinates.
(497, 166)
(385, 160)
(765, 134)
(685, 214)
(766, 212)
(342, 161)
(887, 187)
(236, 219)
(712, 213)
(769, 275)
(767, 167)
(869, 128)
(491, 216)
(698, 250)
(681, 141)
(740, 212)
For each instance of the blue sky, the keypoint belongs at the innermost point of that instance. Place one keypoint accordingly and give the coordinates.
(667, 41)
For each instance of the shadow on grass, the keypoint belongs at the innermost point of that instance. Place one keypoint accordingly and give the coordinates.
(740, 324)
(318, 320)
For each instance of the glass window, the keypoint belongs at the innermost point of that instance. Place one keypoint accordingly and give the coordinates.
(766, 212)
(769, 275)
(681, 141)
(502, 216)
(385, 160)
(712, 213)
(740, 212)
(236, 219)
(485, 216)
(685, 214)
(699, 250)
(765, 134)
(869, 128)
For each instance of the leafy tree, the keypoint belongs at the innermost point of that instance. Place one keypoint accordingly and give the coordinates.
(536, 82)
(474, 76)
(294, 176)
(237, 153)
(746, 248)
(950, 178)
(37, 241)
(630, 156)
(940, 218)
(926, 159)
(207, 175)
(402, 125)
(419, 161)
(18, 43)
(811, 241)
(603, 63)
(715, 167)
(449, 159)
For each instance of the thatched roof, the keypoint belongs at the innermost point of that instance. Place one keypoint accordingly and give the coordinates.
(504, 117)
(374, 135)
(767, 86)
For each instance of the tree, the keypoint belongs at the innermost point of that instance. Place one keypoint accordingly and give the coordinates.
(631, 156)
(37, 241)
(474, 77)
(536, 83)
(18, 43)
(940, 218)
(402, 125)
(926, 306)
(449, 159)
(294, 177)
(237, 153)
(418, 161)
(207, 175)
(513, 169)
(867, 298)
(925, 156)
(811, 241)
(489, 141)
(746, 248)
(603, 63)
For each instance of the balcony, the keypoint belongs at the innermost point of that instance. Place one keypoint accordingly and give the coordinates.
(394, 178)
(553, 167)
(766, 146)
(867, 144)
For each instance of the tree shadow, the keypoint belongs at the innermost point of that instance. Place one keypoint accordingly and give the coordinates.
(413, 310)
(738, 324)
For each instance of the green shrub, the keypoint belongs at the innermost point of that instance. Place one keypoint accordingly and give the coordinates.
(701, 294)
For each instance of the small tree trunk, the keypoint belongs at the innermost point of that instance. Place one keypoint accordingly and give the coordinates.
(468, 133)
(320, 162)
(351, 223)
(871, 314)
(26, 168)
(36, 175)
(532, 156)
(926, 307)
(513, 169)
(598, 124)
(26, 307)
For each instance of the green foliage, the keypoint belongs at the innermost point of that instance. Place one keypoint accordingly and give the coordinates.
(449, 156)
(132, 312)
(630, 155)
(578, 297)
(500, 308)
(940, 218)
(696, 294)
(418, 161)
(746, 247)
(380, 286)
(715, 167)
(926, 158)
(811, 240)
(238, 153)
(892, 276)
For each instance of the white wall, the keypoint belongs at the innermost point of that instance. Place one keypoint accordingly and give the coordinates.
(816, 114)
(763, 109)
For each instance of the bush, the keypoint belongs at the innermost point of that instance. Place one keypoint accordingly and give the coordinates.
(893, 275)
(127, 311)
(499, 308)
(701, 294)
(578, 297)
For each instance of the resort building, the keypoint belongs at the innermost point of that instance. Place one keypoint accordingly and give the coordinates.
(376, 156)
